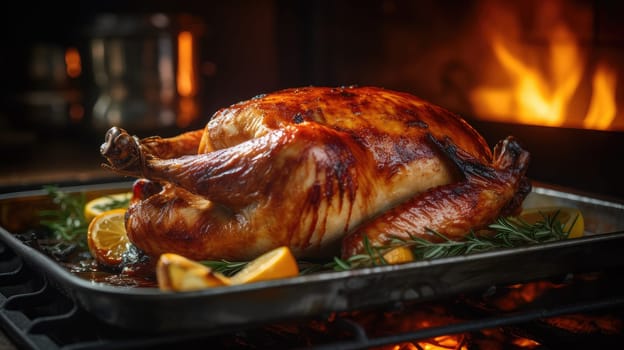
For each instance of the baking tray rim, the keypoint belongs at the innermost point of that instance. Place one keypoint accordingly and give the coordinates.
(39, 259)
(61, 272)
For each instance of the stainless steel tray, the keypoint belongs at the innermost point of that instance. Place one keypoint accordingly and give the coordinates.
(149, 309)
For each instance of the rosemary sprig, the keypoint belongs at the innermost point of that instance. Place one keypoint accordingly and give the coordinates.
(372, 257)
(67, 223)
(228, 268)
(505, 232)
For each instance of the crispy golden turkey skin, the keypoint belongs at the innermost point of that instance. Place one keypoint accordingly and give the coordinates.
(316, 169)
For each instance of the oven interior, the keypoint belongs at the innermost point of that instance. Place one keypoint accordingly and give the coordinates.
(549, 73)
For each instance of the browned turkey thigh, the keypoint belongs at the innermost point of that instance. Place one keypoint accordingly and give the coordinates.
(454, 209)
(305, 167)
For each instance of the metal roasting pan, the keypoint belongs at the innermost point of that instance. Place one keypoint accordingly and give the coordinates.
(148, 309)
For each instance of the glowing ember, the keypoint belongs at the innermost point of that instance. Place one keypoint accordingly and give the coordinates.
(438, 343)
(523, 294)
(543, 80)
(525, 343)
(428, 317)
(604, 324)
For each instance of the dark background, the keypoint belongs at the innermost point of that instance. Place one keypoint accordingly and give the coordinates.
(251, 47)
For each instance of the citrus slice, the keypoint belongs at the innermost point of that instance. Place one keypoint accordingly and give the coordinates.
(101, 204)
(177, 273)
(107, 237)
(277, 263)
(571, 218)
(399, 255)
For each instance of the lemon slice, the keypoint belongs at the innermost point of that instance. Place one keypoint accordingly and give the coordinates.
(399, 255)
(99, 205)
(107, 237)
(177, 273)
(571, 218)
(277, 263)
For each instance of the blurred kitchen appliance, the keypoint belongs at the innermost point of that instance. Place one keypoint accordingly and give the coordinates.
(145, 70)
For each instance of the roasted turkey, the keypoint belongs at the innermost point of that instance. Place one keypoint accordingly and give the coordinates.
(315, 169)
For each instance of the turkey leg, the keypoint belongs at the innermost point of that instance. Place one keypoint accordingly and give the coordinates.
(454, 209)
(278, 189)
(127, 154)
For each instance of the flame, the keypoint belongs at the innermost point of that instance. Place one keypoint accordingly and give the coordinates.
(542, 94)
(602, 110)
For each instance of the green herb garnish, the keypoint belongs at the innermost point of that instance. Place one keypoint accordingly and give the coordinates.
(506, 232)
(67, 223)
(228, 268)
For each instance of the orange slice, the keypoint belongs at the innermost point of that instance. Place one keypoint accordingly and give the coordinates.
(571, 218)
(177, 273)
(399, 255)
(277, 263)
(101, 204)
(107, 237)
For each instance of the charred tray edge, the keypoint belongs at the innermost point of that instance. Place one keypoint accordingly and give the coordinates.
(148, 309)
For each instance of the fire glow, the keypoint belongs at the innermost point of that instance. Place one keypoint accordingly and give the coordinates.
(544, 81)
(185, 76)
(73, 65)
(186, 80)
